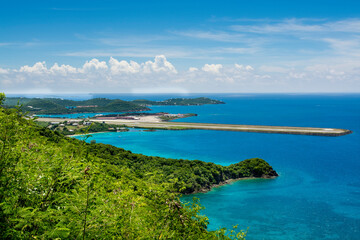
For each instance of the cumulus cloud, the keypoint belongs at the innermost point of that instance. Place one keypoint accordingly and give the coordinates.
(160, 64)
(38, 68)
(212, 68)
(62, 70)
(94, 64)
(193, 69)
(242, 67)
(118, 67)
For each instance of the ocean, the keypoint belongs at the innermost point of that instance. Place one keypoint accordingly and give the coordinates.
(316, 196)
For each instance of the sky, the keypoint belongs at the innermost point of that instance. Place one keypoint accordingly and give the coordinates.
(179, 46)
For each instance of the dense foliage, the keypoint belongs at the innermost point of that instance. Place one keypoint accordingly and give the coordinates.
(55, 187)
(180, 101)
(64, 106)
(13, 101)
(192, 175)
(80, 129)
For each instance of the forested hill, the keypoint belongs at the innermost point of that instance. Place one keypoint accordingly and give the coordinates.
(65, 106)
(55, 187)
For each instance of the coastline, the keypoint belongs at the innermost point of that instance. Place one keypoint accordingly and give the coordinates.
(226, 182)
(84, 134)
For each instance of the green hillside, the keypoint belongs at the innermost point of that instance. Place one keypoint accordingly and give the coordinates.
(12, 101)
(38, 104)
(121, 106)
(64, 106)
(96, 101)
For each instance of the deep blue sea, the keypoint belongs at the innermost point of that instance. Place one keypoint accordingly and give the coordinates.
(316, 196)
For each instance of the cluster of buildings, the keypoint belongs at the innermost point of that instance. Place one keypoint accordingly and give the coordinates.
(118, 117)
(74, 123)
(87, 106)
(71, 123)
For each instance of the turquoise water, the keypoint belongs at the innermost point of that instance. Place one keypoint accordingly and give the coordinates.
(316, 196)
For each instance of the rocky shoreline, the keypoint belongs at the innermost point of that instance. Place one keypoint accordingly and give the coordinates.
(228, 181)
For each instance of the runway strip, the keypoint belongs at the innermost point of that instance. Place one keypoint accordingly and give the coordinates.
(224, 127)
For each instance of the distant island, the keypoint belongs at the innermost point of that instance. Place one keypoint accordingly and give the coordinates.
(179, 101)
(97, 105)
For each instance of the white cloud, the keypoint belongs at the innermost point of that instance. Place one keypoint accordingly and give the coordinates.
(351, 25)
(249, 68)
(193, 69)
(3, 71)
(38, 68)
(62, 70)
(289, 26)
(348, 47)
(214, 36)
(212, 68)
(94, 64)
(160, 64)
(242, 67)
(117, 67)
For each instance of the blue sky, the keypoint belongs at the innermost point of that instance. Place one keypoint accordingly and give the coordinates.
(180, 46)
